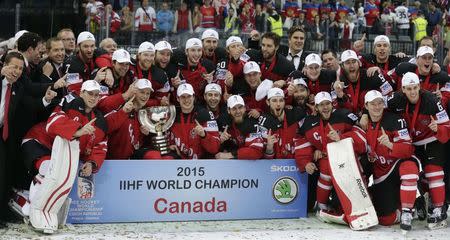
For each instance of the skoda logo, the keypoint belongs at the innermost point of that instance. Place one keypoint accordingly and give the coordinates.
(285, 190)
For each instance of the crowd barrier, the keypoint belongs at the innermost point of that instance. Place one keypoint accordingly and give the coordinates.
(184, 190)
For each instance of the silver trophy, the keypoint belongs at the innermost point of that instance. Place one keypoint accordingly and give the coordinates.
(158, 119)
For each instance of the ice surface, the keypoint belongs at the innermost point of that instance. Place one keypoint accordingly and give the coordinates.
(309, 228)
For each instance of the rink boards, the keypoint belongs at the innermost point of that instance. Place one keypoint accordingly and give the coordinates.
(180, 190)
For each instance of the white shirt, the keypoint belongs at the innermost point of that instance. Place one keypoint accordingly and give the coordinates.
(141, 18)
(296, 60)
(2, 101)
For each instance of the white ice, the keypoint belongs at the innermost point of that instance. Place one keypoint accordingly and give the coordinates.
(308, 228)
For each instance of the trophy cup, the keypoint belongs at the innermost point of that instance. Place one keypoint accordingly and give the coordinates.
(158, 119)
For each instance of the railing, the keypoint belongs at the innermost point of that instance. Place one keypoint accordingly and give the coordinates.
(62, 16)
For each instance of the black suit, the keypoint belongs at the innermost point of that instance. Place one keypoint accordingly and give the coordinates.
(12, 171)
(284, 50)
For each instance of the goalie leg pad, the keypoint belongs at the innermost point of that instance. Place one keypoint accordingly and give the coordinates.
(48, 193)
(349, 184)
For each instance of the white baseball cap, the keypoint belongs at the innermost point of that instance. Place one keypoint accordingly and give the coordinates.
(235, 100)
(85, 36)
(213, 87)
(19, 34)
(143, 83)
(424, 50)
(372, 95)
(300, 81)
(381, 38)
(232, 40)
(313, 59)
(163, 45)
(348, 54)
(322, 96)
(90, 85)
(193, 42)
(210, 33)
(121, 56)
(185, 88)
(410, 78)
(275, 92)
(146, 47)
(251, 66)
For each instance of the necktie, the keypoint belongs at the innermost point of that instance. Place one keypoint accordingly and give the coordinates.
(5, 119)
(59, 71)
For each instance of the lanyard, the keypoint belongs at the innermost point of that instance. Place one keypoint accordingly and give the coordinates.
(426, 83)
(269, 70)
(323, 136)
(184, 126)
(283, 135)
(355, 93)
(140, 75)
(412, 122)
(372, 136)
(386, 66)
(314, 86)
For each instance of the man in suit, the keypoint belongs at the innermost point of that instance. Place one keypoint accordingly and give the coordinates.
(294, 52)
(14, 99)
(54, 71)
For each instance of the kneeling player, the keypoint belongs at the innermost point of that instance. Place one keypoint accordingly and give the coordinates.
(76, 120)
(429, 126)
(240, 138)
(329, 125)
(395, 174)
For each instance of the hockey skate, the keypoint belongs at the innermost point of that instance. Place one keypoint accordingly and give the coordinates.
(437, 219)
(406, 220)
(19, 203)
(329, 216)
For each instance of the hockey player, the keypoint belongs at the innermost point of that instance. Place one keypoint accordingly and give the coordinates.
(213, 97)
(252, 74)
(144, 67)
(193, 69)
(329, 125)
(280, 126)
(84, 65)
(395, 173)
(380, 61)
(75, 118)
(318, 79)
(211, 50)
(126, 134)
(355, 82)
(163, 56)
(430, 81)
(122, 88)
(229, 71)
(429, 126)
(194, 131)
(274, 66)
(239, 138)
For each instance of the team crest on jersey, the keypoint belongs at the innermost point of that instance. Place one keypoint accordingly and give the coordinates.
(192, 133)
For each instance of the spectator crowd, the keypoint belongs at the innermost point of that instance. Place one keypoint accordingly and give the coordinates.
(234, 99)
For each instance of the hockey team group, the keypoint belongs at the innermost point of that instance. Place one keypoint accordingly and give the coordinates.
(255, 100)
